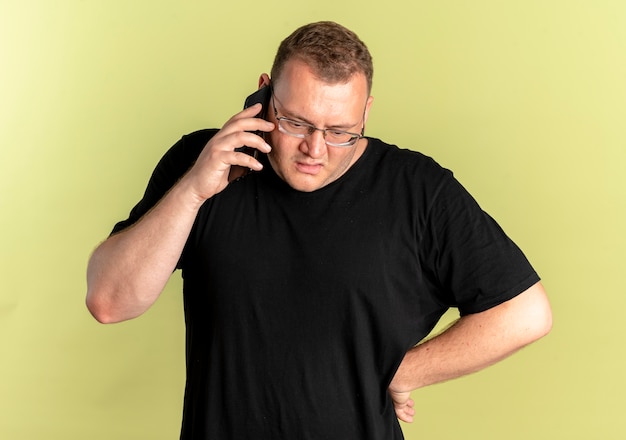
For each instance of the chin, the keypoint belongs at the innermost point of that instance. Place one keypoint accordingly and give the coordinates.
(304, 185)
(299, 181)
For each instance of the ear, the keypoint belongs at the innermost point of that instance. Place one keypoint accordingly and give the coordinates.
(264, 80)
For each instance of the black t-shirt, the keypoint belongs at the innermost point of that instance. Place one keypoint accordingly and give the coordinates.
(300, 306)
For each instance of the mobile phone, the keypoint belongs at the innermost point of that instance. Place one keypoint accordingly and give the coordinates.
(263, 96)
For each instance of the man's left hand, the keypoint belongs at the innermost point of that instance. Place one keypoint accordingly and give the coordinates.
(403, 404)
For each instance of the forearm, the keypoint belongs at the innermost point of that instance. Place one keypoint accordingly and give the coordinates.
(128, 271)
(476, 341)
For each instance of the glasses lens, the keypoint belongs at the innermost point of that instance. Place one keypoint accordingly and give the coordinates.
(333, 138)
(294, 128)
(340, 138)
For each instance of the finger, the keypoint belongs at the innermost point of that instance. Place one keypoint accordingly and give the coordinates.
(256, 108)
(246, 161)
(224, 143)
(251, 112)
(405, 416)
(243, 157)
(248, 112)
(234, 126)
(254, 124)
(251, 140)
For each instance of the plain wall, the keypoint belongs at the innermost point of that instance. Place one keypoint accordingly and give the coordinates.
(524, 100)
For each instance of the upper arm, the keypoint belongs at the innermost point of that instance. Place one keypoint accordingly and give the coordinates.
(522, 319)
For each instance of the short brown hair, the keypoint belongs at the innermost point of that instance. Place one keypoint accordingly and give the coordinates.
(334, 52)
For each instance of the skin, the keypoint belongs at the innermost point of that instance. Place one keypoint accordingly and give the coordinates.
(128, 271)
(474, 342)
(309, 164)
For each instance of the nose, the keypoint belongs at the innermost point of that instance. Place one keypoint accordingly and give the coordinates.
(314, 145)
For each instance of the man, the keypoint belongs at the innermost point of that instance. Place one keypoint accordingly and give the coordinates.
(310, 280)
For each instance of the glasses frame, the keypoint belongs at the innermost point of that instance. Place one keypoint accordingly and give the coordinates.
(312, 128)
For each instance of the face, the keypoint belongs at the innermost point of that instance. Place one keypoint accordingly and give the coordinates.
(309, 164)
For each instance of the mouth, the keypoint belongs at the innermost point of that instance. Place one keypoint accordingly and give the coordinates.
(309, 168)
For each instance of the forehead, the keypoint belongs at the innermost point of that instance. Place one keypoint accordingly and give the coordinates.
(303, 93)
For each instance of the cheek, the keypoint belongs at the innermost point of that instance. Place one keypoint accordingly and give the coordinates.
(281, 151)
(343, 159)
(270, 138)
(282, 146)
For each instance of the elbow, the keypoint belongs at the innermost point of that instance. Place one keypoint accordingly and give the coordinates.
(98, 310)
(102, 309)
(102, 298)
(108, 307)
(542, 323)
(546, 320)
(538, 314)
(525, 318)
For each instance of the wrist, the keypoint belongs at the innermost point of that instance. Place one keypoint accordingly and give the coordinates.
(186, 195)
(408, 376)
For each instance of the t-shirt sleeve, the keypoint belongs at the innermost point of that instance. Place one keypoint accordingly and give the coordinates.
(172, 166)
(477, 265)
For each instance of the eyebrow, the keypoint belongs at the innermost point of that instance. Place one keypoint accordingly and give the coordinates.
(293, 116)
(340, 127)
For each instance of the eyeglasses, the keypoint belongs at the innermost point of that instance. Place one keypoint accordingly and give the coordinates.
(332, 137)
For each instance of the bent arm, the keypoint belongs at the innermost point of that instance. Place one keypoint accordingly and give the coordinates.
(128, 271)
(474, 342)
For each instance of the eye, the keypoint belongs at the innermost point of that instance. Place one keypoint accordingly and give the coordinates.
(337, 133)
(297, 127)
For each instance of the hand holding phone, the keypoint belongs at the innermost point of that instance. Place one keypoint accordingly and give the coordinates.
(261, 96)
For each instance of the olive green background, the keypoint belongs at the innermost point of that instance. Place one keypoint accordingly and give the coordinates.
(524, 100)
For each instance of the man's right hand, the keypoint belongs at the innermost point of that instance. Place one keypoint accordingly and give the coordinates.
(128, 271)
(210, 173)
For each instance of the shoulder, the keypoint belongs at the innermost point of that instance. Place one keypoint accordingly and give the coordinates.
(182, 155)
(201, 136)
(190, 145)
(409, 168)
(171, 167)
(404, 158)
(431, 189)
